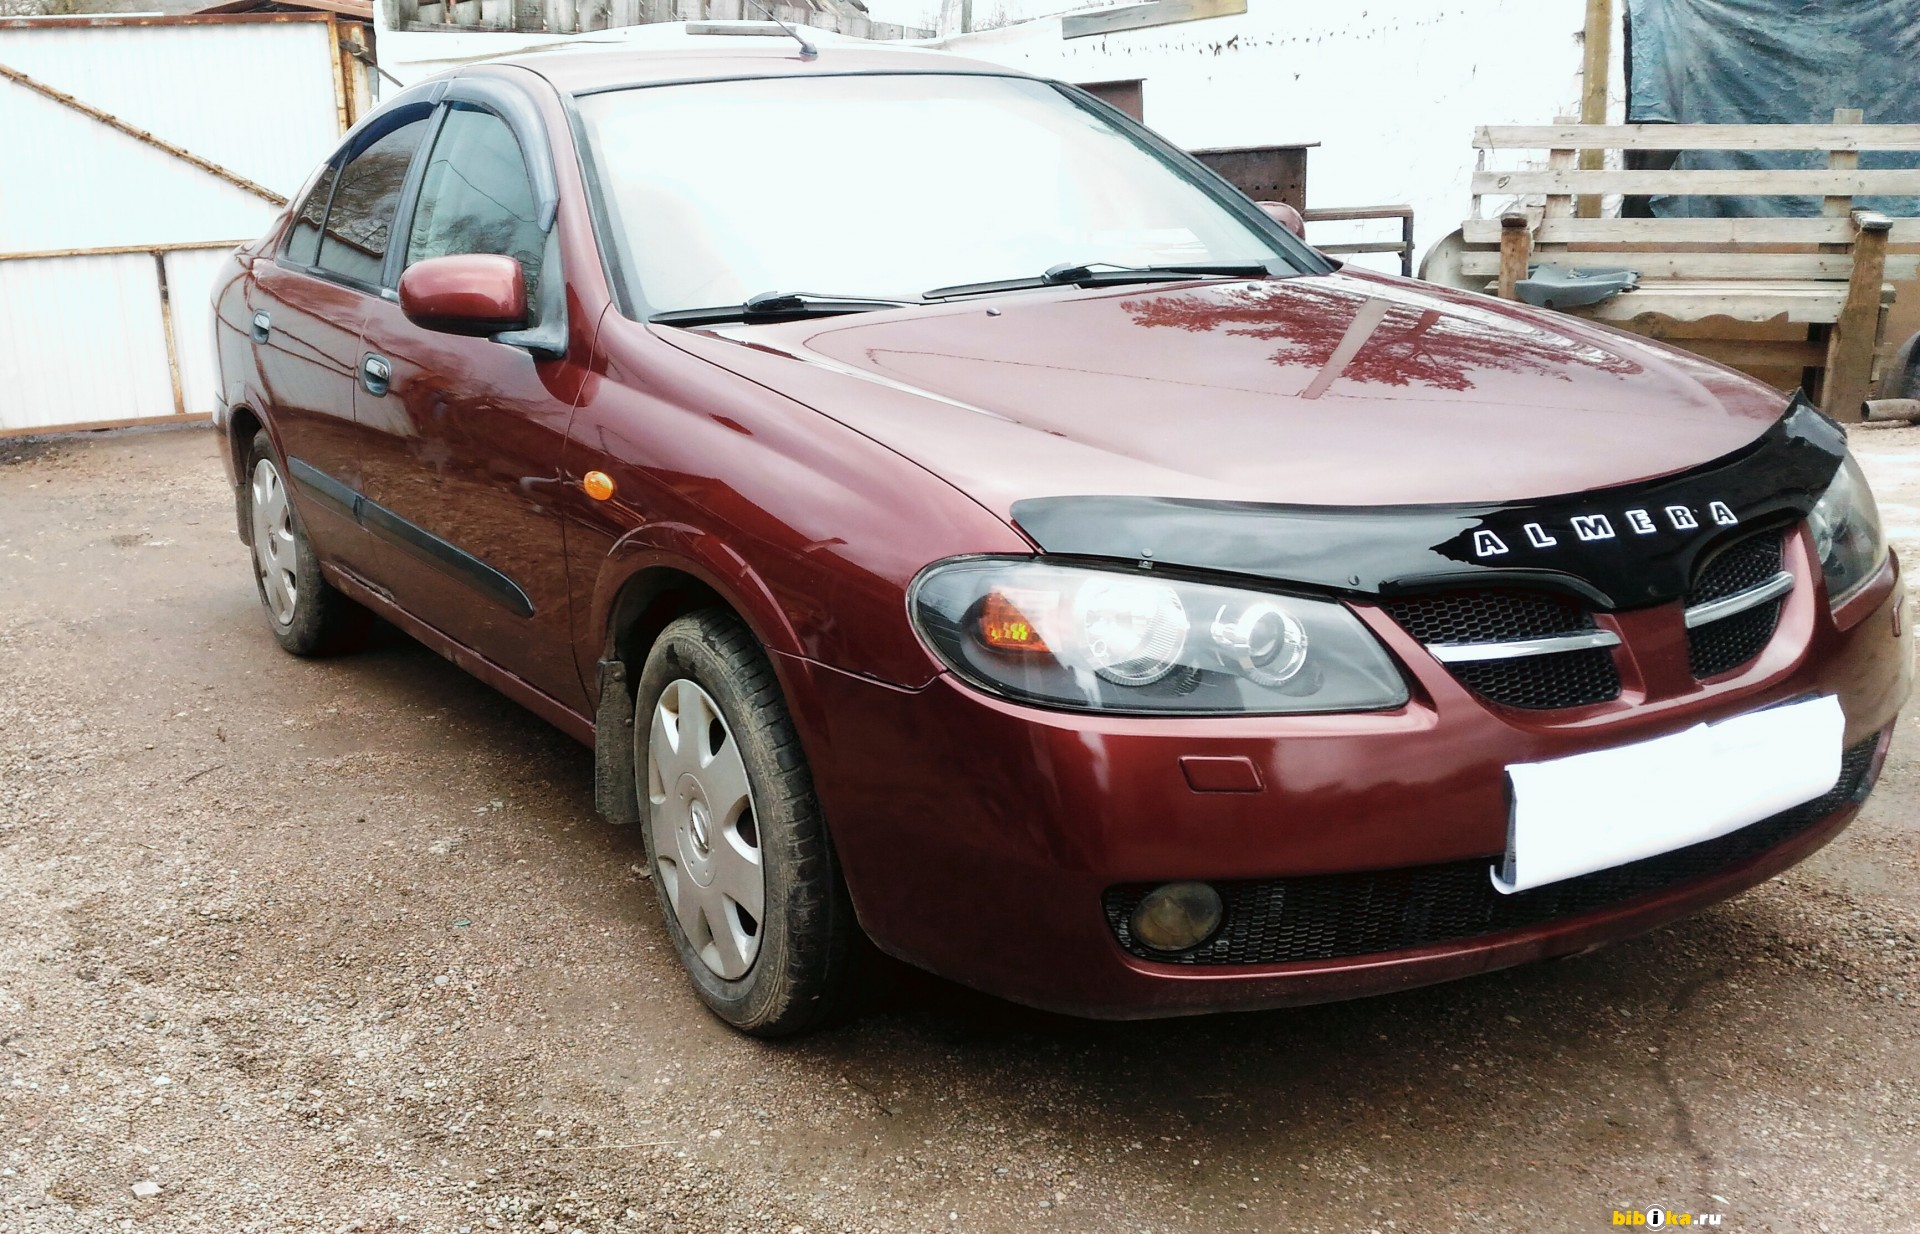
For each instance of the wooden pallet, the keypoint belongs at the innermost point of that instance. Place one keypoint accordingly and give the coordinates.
(1798, 301)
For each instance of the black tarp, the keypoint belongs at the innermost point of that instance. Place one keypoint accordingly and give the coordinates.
(1773, 62)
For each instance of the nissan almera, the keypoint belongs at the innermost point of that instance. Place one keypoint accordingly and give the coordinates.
(958, 520)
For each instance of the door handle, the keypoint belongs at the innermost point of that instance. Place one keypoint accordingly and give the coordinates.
(262, 326)
(375, 374)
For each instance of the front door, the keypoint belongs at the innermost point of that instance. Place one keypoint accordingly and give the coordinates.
(463, 435)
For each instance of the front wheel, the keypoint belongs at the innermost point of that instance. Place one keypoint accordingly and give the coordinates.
(307, 615)
(741, 861)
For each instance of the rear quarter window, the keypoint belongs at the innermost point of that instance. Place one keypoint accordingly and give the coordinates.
(303, 238)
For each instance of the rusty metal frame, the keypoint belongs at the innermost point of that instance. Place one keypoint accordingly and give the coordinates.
(339, 63)
(166, 330)
(1403, 246)
(141, 135)
(91, 20)
(121, 250)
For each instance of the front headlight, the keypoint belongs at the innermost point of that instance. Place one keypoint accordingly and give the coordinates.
(1846, 533)
(1104, 640)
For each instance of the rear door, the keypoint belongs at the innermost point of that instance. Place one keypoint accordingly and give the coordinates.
(463, 435)
(307, 307)
(306, 335)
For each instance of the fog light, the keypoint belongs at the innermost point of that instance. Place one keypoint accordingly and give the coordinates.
(1176, 917)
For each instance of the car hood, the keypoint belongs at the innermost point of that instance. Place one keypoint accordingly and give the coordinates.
(1344, 389)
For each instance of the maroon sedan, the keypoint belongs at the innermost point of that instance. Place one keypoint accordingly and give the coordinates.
(959, 520)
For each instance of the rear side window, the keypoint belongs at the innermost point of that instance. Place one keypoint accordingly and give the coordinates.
(476, 196)
(303, 241)
(360, 224)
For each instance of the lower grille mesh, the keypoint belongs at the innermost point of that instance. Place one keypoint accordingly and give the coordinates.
(1541, 683)
(1326, 916)
(1724, 645)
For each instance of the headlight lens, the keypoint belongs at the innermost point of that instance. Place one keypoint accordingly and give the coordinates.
(1104, 640)
(1846, 533)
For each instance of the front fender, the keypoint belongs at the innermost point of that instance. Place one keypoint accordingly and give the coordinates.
(701, 555)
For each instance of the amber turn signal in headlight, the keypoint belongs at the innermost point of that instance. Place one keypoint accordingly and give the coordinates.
(1138, 641)
(1004, 624)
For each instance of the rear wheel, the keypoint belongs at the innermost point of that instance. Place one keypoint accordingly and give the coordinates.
(741, 861)
(307, 615)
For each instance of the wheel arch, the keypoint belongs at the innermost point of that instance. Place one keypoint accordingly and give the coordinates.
(652, 577)
(659, 572)
(651, 599)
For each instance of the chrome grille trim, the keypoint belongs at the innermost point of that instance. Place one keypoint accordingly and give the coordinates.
(1467, 653)
(1740, 601)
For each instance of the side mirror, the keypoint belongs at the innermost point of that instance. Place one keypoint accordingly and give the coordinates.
(1286, 216)
(470, 293)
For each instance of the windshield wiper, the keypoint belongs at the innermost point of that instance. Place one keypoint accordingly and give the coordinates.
(779, 306)
(1087, 276)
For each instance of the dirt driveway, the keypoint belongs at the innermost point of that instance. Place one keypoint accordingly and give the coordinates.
(341, 945)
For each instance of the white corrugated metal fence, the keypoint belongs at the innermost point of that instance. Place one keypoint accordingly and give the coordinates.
(258, 101)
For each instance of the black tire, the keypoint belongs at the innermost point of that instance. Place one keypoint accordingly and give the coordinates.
(807, 938)
(320, 620)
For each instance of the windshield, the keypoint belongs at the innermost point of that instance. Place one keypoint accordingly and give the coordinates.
(884, 186)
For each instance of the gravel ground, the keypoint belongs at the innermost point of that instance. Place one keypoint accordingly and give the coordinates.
(340, 945)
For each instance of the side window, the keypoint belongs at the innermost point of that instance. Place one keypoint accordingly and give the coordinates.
(303, 238)
(355, 243)
(476, 197)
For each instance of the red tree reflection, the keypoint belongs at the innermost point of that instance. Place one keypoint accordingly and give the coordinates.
(1414, 344)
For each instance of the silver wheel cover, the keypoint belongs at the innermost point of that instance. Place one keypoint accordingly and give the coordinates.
(274, 557)
(706, 837)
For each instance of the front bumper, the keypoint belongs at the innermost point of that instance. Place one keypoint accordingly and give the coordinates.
(979, 837)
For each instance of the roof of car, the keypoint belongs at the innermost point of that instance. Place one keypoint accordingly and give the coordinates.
(580, 71)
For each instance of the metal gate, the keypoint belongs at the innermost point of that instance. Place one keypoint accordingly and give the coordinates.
(134, 153)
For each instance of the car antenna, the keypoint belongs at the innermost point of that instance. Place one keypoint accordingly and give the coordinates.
(807, 50)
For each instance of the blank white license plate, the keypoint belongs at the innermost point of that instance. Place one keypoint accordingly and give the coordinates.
(1588, 812)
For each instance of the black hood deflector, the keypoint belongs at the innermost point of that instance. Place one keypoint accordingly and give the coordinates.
(1625, 547)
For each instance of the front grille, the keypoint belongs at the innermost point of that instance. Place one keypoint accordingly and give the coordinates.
(1488, 616)
(1741, 565)
(1535, 683)
(1542, 683)
(1722, 646)
(1327, 916)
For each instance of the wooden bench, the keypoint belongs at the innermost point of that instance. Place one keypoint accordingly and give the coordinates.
(1793, 300)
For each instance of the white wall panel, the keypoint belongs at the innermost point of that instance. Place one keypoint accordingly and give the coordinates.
(80, 342)
(1391, 89)
(81, 338)
(190, 276)
(71, 182)
(256, 98)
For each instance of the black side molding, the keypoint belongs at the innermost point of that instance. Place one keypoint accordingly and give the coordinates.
(449, 558)
(324, 489)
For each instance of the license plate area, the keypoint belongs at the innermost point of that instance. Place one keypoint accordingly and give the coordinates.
(1587, 812)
